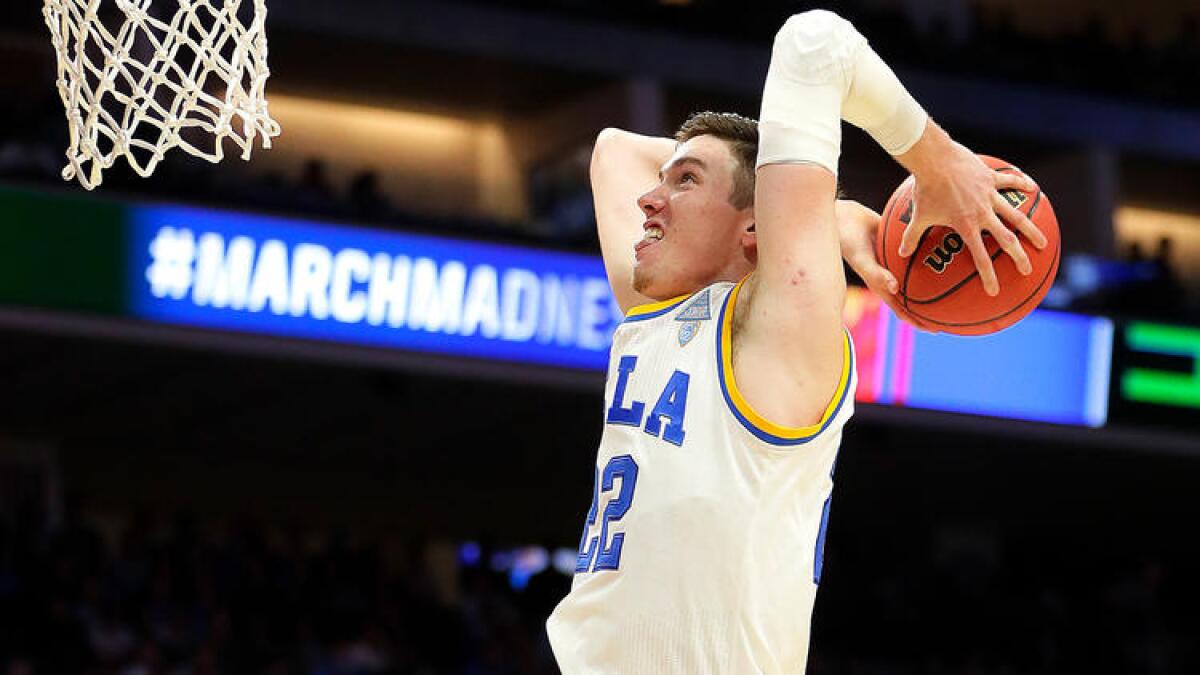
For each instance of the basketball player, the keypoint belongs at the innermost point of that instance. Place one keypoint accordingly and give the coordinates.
(732, 376)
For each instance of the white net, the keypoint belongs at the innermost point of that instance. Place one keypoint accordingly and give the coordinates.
(136, 85)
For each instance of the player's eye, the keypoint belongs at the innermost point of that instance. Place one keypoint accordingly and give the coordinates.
(687, 176)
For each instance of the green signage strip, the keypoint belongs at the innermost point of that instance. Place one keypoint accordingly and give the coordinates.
(1147, 385)
(62, 252)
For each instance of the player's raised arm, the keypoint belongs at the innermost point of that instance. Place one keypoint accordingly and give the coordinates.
(791, 330)
(822, 71)
(624, 166)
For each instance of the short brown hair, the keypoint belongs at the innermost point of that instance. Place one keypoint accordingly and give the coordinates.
(741, 134)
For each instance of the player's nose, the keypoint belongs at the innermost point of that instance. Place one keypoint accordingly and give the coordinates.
(652, 202)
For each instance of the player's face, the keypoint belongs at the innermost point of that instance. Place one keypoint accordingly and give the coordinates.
(693, 236)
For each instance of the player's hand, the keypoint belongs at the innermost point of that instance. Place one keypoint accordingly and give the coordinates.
(857, 228)
(961, 192)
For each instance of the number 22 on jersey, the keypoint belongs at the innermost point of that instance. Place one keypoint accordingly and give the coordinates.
(616, 483)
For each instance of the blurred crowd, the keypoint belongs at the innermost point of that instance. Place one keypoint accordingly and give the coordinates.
(35, 157)
(967, 600)
(1089, 59)
(174, 595)
(967, 37)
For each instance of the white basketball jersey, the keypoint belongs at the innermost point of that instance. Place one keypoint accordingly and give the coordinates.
(702, 548)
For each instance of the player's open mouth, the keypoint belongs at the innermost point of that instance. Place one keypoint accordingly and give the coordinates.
(654, 234)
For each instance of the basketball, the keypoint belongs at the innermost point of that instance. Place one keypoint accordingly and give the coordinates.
(939, 285)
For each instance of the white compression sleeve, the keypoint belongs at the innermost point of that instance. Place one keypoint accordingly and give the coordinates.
(880, 105)
(822, 70)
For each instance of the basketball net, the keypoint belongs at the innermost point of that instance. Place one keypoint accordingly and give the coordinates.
(145, 86)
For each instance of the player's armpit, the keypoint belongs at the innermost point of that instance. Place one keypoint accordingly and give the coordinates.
(788, 335)
(624, 166)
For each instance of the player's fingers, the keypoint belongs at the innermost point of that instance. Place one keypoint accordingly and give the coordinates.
(1016, 218)
(1010, 243)
(1014, 181)
(885, 279)
(881, 282)
(912, 234)
(983, 262)
(876, 276)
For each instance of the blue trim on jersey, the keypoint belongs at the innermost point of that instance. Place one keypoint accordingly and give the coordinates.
(819, 553)
(750, 426)
(636, 315)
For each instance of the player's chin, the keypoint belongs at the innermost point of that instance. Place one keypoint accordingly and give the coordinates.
(643, 279)
(650, 284)
(656, 287)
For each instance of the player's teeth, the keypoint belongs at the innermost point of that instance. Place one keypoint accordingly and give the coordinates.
(653, 232)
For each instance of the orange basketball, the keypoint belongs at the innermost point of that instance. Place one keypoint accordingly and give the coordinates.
(939, 285)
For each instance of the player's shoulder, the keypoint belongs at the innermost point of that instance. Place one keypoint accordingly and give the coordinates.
(781, 391)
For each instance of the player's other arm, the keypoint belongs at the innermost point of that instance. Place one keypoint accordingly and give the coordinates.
(858, 227)
(624, 166)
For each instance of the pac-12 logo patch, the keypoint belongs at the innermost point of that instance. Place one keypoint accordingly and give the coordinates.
(688, 331)
(697, 310)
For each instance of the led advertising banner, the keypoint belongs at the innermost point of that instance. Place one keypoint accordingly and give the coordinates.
(1174, 383)
(62, 252)
(297, 279)
(1156, 375)
(235, 272)
(1050, 367)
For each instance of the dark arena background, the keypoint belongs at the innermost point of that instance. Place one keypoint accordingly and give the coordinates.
(206, 467)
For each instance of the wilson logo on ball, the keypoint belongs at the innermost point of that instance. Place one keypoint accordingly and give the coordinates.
(1014, 197)
(943, 254)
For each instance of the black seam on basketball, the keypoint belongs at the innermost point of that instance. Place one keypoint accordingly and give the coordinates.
(887, 213)
(1037, 199)
(908, 268)
(955, 287)
(999, 316)
(1053, 268)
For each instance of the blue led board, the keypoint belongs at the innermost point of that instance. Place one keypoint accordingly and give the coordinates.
(1050, 367)
(297, 279)
(293, 278)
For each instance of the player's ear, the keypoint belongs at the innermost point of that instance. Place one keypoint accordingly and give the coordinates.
(750, 242)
